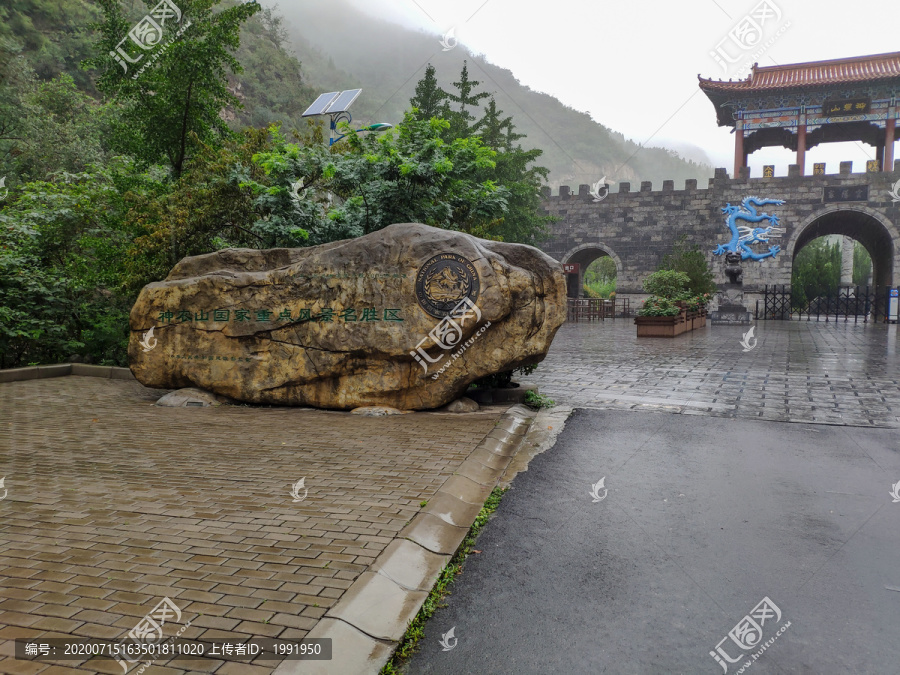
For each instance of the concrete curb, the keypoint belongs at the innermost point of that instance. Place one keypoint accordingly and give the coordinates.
(64, 369)
(369, 620)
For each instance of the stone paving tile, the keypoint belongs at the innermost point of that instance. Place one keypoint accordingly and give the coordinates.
(818, 373)
(114, 503)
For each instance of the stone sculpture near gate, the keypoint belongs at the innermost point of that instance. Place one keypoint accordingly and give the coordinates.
(406, 317)
(731, 309)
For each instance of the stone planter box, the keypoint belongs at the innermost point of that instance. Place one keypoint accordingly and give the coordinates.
(662, 326)
(696, 319)
(670, 326)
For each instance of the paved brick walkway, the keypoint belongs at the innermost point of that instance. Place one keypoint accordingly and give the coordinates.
(802, 372)
(114, 503)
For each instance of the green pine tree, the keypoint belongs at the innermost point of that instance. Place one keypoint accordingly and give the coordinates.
(430, 100)
(466, 99)
(491, 127)
(514, 169)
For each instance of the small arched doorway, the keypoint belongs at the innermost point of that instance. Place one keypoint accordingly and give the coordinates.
(576, 262)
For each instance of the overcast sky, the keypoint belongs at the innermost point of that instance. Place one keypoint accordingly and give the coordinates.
(633, 65)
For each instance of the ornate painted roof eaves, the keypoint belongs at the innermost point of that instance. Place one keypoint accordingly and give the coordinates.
(727, 97)
(853, 70)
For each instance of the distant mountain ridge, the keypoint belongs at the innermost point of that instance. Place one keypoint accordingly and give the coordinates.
(341, 47)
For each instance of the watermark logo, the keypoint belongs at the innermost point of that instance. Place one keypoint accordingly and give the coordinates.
(448, 40)
(746, 35)
(32, 649)
(148, 342)
(150, 630)
(895, 494)
(595, 490)
(749, 342)
(448, 333)
(748, 633)
(5, 490)
(4, 191)
(295, 490)
(446, 638)
(596, 188)
(296, 197)
(147, 34)
(895, 191)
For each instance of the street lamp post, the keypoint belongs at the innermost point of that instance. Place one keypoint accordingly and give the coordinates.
(337, 106)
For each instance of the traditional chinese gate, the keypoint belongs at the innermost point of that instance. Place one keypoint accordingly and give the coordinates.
(860, 303)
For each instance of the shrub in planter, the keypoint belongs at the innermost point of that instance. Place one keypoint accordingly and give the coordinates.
(692, 261)
(667, 284)
(654, 306)
(697, 303)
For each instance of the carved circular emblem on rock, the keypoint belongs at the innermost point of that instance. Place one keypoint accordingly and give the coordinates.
(444, 281)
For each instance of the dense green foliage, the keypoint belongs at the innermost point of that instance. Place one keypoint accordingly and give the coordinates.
(182, 94)
(665, 288)
(692, 261)
(512, 167)
(61, 261)
(671, 291)
(409, 175)
(654, 306)
(816, 272)
(669, 284)
(862, 265)
(600, 278)
(430, 100)
(52, 36)
(114, 175)
(46, 127)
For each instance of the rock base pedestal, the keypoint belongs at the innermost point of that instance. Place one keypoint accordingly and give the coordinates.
(495, 396)
(731, 310)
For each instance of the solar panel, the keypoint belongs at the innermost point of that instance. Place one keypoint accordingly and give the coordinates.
(320, 104)
(343, 101)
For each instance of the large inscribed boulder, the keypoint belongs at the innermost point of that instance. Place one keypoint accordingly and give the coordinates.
(405, 317)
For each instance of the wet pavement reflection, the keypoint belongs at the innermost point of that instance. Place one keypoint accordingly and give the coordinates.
(826, 373)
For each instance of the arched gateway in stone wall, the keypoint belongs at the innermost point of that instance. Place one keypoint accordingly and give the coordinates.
(795, 106)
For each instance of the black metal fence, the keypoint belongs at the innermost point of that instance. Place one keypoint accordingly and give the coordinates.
(859, 303)
(595, 309)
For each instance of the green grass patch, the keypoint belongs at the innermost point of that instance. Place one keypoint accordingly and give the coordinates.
(536, 400)
(600, 289)
(416, 629)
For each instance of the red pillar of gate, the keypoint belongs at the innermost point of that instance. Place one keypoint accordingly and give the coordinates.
(889, 145)
(739, 157)
(801, 148)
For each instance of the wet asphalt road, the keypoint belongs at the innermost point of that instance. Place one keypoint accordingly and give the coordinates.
(704, 517)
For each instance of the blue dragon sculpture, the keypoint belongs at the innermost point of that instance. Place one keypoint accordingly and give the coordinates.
(742, 235)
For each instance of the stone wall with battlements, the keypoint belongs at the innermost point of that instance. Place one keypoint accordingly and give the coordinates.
(636, 228)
